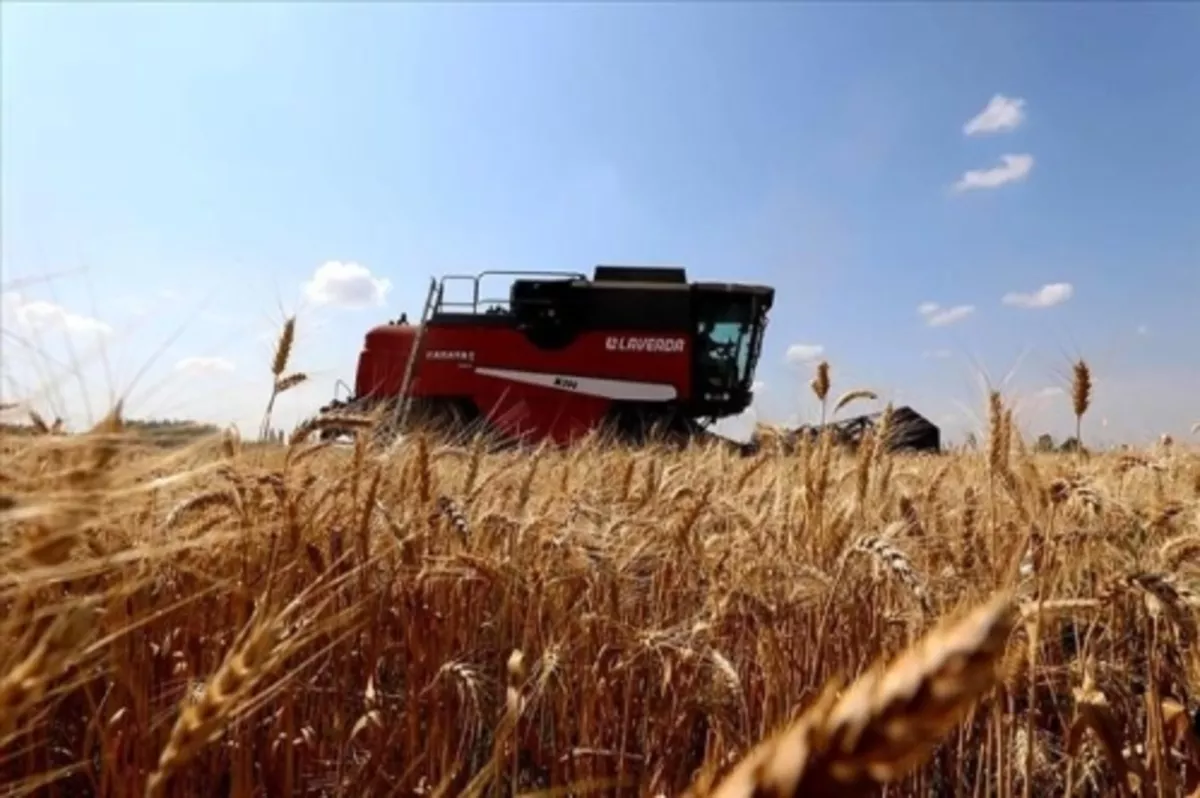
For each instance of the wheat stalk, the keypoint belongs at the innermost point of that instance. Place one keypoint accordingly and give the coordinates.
(671, 606)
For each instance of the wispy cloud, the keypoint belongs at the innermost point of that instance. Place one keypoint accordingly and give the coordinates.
(803, 353)
(36, 314)
(199, 365)
(1013, 168)
(346, 285)
(936, 354)
(1047, 296)
(1000, 115)
(937, 316)
(741, 427)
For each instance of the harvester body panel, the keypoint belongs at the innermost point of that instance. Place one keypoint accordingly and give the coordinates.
(522, 390)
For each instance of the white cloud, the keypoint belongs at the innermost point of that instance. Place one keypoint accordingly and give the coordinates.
(198, 365)
(36, 314)
(1050, 392)
(346, 285)
(950, 315)
(936, 354)
(937, 316)
(803, 353)
(1013, 168)
(1001, 114)
(1143, 329)
(741, 427)
(1047, 296)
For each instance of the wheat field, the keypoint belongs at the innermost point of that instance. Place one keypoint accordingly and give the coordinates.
(437, 619)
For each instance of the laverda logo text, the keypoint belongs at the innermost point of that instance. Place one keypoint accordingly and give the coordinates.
(619, 343)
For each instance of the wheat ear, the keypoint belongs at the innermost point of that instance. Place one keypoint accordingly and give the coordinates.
(887, 723)
(203, 721)
(1081, 396)
(853, 396)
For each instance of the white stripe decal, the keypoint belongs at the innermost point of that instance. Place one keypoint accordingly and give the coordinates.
(620, 390)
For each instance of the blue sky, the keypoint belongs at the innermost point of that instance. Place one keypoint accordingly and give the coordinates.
(187, 171)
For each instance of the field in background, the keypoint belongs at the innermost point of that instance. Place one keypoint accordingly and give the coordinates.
(225, 620)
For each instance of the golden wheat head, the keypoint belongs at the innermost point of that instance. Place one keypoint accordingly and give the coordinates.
(1081, 388)
(888, 722)
(820, 382)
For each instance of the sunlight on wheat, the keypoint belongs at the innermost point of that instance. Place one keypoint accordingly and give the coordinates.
(236, 618)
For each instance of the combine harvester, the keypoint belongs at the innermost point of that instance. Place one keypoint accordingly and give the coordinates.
(638, 352)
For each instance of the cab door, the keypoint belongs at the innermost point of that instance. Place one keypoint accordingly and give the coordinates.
(721, 350)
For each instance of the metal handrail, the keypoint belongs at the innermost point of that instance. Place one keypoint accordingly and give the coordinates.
(475, 278)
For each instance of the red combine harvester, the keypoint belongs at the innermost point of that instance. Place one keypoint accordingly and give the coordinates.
(632, 350)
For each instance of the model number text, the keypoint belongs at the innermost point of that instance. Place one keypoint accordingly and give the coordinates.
(449, 354)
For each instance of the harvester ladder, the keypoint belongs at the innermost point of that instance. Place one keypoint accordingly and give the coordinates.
(401, 412)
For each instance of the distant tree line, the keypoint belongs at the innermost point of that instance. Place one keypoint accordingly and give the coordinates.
(1045, 443)
(162, 431)
(159, 431)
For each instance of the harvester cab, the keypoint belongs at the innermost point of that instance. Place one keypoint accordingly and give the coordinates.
(631, 349)
(730, 324)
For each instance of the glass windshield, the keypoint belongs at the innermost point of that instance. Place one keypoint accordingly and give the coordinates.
(724, 341)
(728, 344)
